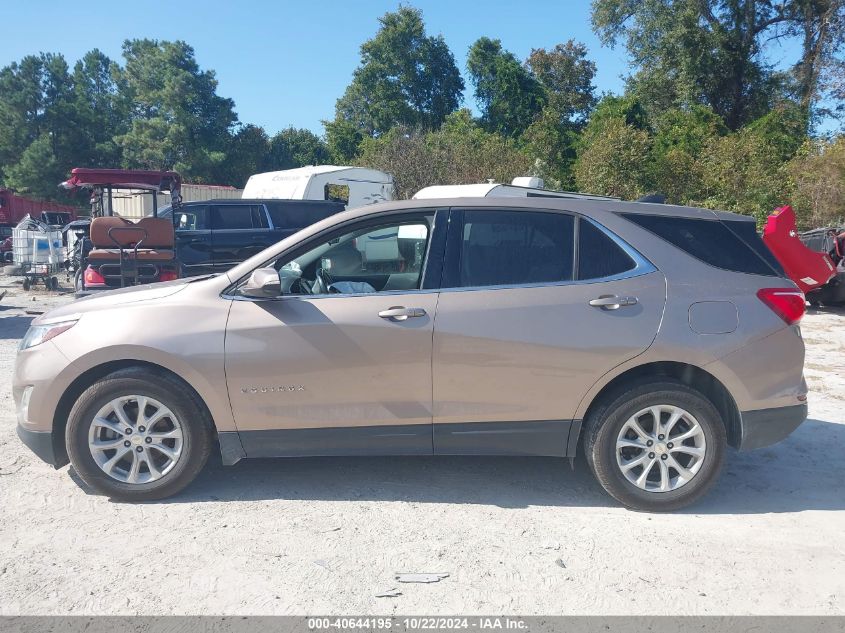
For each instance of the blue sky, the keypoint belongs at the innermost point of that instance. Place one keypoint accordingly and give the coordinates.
(285, 63)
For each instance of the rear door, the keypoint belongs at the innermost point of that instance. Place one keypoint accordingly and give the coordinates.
(535, 307)
(238, 231)
(193, 240)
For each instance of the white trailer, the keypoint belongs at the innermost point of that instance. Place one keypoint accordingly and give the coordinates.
(354, 186)
(523, 187)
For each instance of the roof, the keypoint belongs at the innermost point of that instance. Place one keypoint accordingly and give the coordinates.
(585, 205)
(147, 180)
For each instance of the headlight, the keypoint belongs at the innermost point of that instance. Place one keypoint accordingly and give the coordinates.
(38, 334)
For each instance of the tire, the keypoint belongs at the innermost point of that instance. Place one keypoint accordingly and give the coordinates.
(79, 280)
(54, 283)
(193, 446)
(603, 430)
(27, 284)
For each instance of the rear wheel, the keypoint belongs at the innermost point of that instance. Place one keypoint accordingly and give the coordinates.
(656, 447)
(27, 284)
(136, 435)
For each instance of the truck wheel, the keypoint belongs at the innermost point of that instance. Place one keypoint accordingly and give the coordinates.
(136, 435)
(656, 447)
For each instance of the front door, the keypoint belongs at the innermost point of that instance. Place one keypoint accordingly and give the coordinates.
(341, 362)
(193, 240)
(526, 324)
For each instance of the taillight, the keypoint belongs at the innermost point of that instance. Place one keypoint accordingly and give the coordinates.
(93, 278)
(168, 275)
(788, 303)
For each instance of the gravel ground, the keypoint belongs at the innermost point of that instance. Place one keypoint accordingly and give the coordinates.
(516, 536)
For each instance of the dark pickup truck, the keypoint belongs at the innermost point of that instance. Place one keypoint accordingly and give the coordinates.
(214, 235)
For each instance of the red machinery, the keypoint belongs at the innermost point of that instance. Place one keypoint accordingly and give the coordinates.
(807, 268)
(123, 252)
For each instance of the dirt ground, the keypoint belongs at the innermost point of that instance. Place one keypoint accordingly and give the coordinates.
(516, 536)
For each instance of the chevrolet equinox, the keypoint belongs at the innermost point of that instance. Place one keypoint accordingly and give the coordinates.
(648, 336)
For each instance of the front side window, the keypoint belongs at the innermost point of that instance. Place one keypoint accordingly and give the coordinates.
(192, 218)
(374, 258)
(514, 247)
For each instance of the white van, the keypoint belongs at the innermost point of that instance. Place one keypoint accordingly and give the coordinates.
(354, 186)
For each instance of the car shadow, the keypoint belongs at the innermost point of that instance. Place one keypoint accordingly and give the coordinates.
(804, 472)
(14, 327)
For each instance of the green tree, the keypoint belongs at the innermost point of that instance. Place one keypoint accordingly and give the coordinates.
(508, 95)
(818, 173)
(680, 138)
(101, 110)
(248, 154)
(566, 76)
(710, 52)
(614, 150)
(294, 147)
(747, 172)
(178, 121)
(460, 152)
(406, 77)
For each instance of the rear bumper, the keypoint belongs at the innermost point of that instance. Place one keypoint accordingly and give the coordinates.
(765, 427)
(41, 443)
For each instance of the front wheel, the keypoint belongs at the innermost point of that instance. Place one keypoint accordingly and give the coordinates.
(136, 435)
(656, 447)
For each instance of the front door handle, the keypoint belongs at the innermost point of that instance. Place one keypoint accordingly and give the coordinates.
(612, 302)
(401, 313)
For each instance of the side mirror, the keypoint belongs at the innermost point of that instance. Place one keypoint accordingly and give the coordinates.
(263, 283)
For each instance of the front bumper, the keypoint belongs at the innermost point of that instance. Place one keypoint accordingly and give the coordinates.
(765, 427)
(41, 443)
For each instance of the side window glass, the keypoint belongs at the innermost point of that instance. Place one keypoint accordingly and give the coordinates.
(231, 217)
(598, 255)
(515, 247)
(191, 219)
(381, 258)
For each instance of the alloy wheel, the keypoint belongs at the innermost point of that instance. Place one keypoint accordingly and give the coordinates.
(135, 439)
(660, 448)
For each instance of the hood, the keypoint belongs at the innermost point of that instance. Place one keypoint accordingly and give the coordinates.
(110, 298)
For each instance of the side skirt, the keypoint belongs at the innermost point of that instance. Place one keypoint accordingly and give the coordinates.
(549, 438)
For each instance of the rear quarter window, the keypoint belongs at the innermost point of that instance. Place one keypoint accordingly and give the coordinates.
(712, 242)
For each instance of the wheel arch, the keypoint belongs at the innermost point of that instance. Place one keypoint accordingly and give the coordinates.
(93, 374)
(690, 375)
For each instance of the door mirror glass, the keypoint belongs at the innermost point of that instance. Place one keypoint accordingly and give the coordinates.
(263, 283)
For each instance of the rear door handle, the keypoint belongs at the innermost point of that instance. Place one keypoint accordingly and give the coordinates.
(401, 313)
(612, 302)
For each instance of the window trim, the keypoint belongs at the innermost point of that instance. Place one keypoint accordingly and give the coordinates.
(430, 275)
(642, 266)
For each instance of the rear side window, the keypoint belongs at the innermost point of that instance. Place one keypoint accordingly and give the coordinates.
(232, 217)
(598, 255)
(298, 215)
(508, 248)
(747, 232)
(707, 240)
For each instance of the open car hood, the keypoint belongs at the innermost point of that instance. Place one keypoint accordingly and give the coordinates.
(806, 267)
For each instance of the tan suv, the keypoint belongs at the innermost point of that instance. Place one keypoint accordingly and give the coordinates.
(648, 336)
